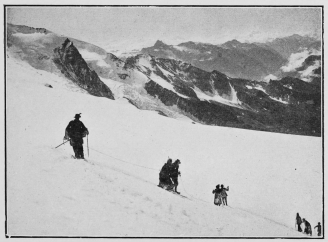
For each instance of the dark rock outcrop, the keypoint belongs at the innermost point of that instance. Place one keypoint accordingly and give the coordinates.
(201, 111)
(72, 65)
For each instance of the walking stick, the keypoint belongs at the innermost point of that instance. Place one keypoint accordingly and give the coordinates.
(62, 143)
(88, 145)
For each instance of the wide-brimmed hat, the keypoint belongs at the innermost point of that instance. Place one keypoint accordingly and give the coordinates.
(78, 115)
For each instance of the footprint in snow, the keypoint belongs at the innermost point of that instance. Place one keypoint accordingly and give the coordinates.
(185, 213)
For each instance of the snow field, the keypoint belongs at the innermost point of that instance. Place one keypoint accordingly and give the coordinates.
(271, 176)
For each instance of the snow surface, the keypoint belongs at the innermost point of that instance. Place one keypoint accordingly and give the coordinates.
(269, 77)
(271, 176)
(273, 98)
(165, 84)
(180, 48)
(144, 61)
(30, 36)
(93, 56)
(234, 101)
(165, 72)
(279, 100)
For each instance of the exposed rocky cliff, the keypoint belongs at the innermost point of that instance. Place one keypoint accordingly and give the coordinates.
(73, 66)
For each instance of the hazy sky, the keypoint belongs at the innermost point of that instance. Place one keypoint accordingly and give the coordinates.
(132, 27)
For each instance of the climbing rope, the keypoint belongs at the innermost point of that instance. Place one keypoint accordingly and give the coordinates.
(188, 194)
(195, 198)
(123, 160)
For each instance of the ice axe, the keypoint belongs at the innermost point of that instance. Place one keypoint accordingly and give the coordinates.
(88, 144)
(62, 143)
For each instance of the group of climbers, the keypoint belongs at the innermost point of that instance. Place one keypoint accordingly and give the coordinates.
(220, 195)
(307, 226)
(168, 176)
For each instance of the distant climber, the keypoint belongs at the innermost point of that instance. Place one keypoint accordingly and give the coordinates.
(174, 173)
(75, 131)
(298, 222)
(164, 175)
(307, 229)
(319, 229)
(224, 195)
(217, 195)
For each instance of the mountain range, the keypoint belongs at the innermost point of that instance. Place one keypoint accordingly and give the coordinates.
(253, 61)
(208, 84)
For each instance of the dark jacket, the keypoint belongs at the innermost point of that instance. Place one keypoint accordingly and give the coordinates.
(76, 131)
(298, 219)
(217, 191)
(319, 228)
(223, 192)
(307, 229)
(174, 171)
(165, 171)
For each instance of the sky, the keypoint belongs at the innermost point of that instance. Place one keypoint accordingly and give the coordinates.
(136, 27)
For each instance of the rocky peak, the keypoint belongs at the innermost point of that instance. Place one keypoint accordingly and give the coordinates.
(66, 43)
(232, 43)
(160, 44)
(70, 62)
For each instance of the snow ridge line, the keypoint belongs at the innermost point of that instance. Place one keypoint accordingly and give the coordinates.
(123, 160)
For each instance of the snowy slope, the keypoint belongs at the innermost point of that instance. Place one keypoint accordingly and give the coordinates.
(271, 176)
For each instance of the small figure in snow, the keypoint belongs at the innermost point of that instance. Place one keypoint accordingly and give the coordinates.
(307, 229)
(164, 175)
(217, 195)
(319, 228)
(224, 194)
(174, 173)
(75, 131)
(298, 222)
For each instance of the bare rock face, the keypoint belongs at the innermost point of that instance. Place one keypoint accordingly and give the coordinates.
(202, 111)
(73, 66)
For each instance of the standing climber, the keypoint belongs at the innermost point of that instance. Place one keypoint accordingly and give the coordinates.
(164, 175)
(75, 131)
(307, 229)
(319, 228)
(217, 195)
(298, 222)
(224, 194)
(174, 173)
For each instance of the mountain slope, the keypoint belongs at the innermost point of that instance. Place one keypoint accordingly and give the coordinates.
(115, 192)
(171, 87)
(45, 50)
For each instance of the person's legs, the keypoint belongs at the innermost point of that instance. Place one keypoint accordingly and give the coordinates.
(76, 151)
(175, 181)
(81, 152)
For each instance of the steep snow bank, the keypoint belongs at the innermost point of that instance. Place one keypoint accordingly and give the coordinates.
(271, 176)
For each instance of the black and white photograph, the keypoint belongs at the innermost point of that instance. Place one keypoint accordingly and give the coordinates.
(164, 121)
